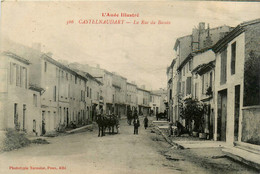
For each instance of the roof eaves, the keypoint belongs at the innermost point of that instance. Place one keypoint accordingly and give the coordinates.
(233, 34)
(20, 59)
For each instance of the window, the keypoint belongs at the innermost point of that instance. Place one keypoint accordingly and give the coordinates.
(195, 90)
(35, 100)
(54, 93)
(188, 86)
(57, 72)
(233, 58)
(90, 92)
(87, 92)
(67, 77)
(34, 125)
(223, 72)
(190, 65)
(17, 75)
(210, 79)
(179, 87)
(184, 71)
(45, 66)
(11, 73)
(205, 83)
(183, 88)
(25, 77)
(75, 80)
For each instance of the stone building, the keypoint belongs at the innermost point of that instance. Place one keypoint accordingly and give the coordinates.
(237, 84)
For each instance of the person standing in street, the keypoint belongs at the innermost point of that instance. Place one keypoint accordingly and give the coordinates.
(145, 122)
(136, 126)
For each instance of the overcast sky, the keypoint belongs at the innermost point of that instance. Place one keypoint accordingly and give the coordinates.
(141, 53)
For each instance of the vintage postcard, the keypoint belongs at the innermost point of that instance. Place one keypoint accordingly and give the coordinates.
(129, 87)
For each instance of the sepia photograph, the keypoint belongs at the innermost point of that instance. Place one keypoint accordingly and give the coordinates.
(129, 87)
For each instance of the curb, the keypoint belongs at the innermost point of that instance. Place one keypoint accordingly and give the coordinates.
(169, 140)
(240, 158)
(90, 126)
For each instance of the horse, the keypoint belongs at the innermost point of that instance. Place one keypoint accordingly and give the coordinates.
(129, 117)
(112, 122)
(101, 124)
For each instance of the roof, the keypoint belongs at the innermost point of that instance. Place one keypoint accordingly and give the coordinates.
(233, 34)
(191, 55)
(142, 89)
(131, 84)
(172, 64)
(203, 68)
(87, 75)
(116, 86)
(34, 87)
(60, 65)
(155, 94)
(20, 59)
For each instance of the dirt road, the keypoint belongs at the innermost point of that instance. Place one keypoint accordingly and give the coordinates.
(114, 154)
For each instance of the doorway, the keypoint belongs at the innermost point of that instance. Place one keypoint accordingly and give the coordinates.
(236, 112)
(222, 115)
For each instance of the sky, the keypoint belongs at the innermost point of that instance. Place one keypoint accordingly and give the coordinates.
(139, 52)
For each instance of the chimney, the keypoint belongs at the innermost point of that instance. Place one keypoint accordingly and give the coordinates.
(36, 46)
(202, 26)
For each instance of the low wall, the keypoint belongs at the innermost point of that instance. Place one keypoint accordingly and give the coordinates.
(250, 125)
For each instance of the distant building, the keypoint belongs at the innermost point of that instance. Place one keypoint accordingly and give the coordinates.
(131, 96)
(143, 101)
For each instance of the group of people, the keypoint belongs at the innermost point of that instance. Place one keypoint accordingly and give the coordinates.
(134, 115)
(136, 123)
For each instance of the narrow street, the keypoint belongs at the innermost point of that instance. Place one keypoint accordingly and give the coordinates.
(115, 154)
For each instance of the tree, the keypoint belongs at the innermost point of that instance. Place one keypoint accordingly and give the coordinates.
(193, 110)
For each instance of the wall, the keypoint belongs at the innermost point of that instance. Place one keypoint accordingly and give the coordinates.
(250, 125)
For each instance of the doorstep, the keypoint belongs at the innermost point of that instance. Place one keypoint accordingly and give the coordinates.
(247, 157)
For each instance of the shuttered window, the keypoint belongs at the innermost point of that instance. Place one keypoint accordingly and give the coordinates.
(223, 68)
(233, 58)
(188, 86)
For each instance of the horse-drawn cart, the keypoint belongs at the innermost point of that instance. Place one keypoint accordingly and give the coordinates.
(107, 121)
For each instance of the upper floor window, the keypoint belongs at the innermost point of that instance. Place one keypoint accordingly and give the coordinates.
(223, 68)
(45, 66)
(35, 100)
(188, 86)
(233, 58)
(190, 65)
